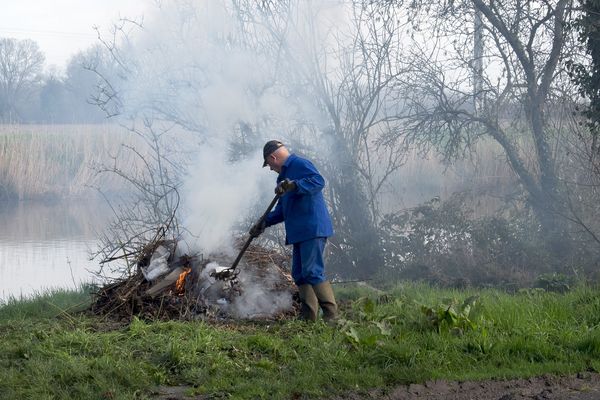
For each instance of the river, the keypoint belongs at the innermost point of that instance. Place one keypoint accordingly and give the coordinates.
(46, 245)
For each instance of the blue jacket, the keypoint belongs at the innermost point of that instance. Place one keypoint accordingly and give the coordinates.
(303, 210)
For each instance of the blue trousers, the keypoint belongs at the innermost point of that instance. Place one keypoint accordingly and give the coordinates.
(307, 261)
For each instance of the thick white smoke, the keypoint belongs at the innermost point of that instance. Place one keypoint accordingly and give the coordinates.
(258, 299)
(193, 64)
(261, 294)
(218, 195)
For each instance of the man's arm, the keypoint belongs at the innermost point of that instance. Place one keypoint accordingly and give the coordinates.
(275, 216)
(312, 181)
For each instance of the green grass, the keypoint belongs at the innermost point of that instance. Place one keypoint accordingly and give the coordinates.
(45, 305)
(383, 339)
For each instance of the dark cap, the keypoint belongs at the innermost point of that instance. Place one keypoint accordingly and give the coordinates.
(269, 148)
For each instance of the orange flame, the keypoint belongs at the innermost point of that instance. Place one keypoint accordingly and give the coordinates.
(180, 284)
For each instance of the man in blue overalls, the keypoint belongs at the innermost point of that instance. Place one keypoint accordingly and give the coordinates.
(307, 226)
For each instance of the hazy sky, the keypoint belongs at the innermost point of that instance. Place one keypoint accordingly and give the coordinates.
(63, 27)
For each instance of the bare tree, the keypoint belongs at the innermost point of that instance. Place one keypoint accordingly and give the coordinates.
(524, 45)
(350, 75)
(150, 162)
(21, 63)
(340, 83)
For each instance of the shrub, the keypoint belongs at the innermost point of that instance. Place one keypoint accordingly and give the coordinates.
(442, 243)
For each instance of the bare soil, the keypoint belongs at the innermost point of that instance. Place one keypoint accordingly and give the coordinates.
(582, 386)
(585, 386)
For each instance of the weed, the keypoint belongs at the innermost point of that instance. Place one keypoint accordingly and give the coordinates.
(452, 316)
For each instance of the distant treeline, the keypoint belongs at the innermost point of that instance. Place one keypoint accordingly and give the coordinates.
(31, 94)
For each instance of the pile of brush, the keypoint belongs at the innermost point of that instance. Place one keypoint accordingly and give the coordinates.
(170, 286)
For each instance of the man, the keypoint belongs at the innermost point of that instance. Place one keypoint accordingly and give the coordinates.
(307, 226)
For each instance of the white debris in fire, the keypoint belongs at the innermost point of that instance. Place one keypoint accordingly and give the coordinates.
(257, 296)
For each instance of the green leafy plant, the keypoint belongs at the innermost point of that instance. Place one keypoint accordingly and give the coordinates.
(370, 327)
(452, 316)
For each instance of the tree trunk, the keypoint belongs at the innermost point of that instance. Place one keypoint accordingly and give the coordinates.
(360, 254)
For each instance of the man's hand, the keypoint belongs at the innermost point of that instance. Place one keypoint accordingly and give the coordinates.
(285, 186)
(258, 228)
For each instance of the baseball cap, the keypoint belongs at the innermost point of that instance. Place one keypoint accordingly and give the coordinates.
(269, 148)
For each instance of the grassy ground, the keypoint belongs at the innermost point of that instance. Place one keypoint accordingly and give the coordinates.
(410, 333)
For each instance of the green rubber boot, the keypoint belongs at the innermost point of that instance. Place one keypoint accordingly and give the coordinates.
(326, 300)
(310, 304)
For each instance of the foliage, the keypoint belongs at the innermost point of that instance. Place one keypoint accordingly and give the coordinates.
(452, 316)
(366, 327)
(586, 74)
(441, 242)
(554, 282)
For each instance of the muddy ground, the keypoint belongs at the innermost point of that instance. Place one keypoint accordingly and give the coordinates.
(584, 386)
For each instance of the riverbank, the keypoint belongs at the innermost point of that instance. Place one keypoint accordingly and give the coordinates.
(409, 334)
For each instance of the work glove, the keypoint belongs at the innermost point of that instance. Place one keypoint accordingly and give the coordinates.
(285, 186)
(258, 228)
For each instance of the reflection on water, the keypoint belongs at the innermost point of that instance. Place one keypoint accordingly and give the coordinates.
(47, 245)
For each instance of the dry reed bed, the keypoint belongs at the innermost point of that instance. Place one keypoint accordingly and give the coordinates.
(54, 161)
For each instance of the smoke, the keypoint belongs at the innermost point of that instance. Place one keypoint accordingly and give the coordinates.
(195, 65)
(190, 66)
(218, 194)
(326, 76)
(258, 298)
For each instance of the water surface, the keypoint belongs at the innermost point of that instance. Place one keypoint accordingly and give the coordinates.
(47, 245)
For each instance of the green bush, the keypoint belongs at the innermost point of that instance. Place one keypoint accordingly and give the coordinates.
(442, 243)
(554, 282)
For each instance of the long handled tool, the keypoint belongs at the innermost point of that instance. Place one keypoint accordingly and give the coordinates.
(230, 273)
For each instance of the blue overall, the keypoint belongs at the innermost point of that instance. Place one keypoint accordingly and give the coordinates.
(307, 221)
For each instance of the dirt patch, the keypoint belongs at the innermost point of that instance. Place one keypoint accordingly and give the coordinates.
(582, 386)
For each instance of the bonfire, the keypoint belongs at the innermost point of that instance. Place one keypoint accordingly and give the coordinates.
(166, 285)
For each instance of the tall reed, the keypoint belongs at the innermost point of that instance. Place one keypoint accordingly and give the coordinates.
(54, 161)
